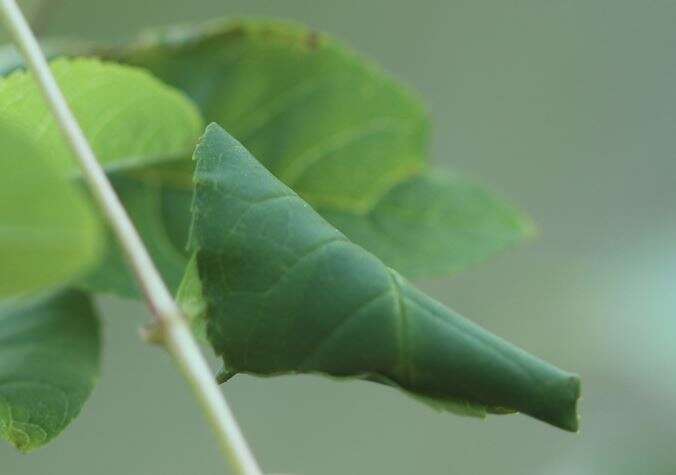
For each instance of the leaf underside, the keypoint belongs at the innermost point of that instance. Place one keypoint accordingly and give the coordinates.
(49, 363)
(286, 292)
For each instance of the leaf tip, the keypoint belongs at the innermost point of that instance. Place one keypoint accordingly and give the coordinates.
(565, 396)
(571, 422)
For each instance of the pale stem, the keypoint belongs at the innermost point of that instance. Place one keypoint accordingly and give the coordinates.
(170, 323)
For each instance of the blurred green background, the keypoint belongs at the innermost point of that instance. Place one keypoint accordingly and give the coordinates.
(569, 108)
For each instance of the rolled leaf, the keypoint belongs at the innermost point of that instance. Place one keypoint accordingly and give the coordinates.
(285, 292)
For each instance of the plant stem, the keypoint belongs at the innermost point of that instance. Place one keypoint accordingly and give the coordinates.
(170, 325)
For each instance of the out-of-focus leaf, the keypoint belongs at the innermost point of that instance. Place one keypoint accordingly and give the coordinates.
(49, 363)
(129, 117)
(434, 224)
(329, 124)
(285, 292)
(48, 233)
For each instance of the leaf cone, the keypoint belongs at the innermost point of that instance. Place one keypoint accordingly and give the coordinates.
(285, 292)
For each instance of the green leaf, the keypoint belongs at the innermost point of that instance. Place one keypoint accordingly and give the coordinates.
(285, 292)
(48, 233)
(49, 363)
(327, 123)
(129, 117)
(131, 120)
(338, 130)
(434, 224)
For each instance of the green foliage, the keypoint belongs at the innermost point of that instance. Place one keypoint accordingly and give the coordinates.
(49, 356)
(328, 124)
(49, 362)
(161, 213)
(48, 233)
(340, 132)
(129, 117)
(276, 287)
(131, 120)
(286, 292)
(434, 224)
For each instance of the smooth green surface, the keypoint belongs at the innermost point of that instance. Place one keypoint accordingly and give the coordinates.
(434, 224)
(128, 116)
(338, 130)
(286, 292)
(49, 363)
(48, 232)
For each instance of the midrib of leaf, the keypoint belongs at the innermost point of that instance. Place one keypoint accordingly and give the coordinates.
(315, 355)
(405, 360)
